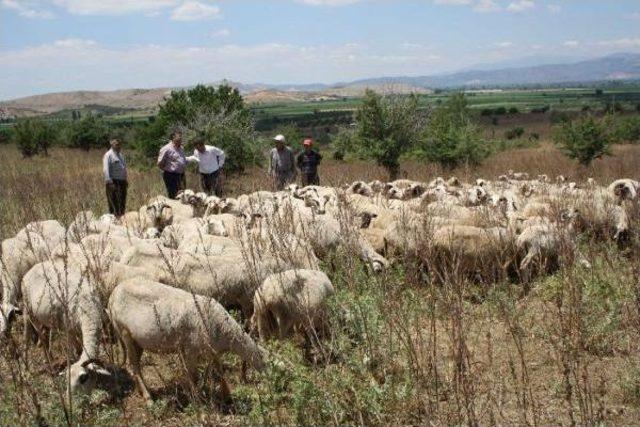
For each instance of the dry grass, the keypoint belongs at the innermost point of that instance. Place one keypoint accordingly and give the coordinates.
(401, 349)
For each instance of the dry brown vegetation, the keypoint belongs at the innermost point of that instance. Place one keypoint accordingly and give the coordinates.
(401, 350)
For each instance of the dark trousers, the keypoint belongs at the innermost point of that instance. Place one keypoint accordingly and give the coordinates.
(117, 197)
(310, 179)
(175, 182)
(209, 182)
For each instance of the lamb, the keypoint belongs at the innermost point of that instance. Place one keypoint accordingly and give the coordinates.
(291, 299)
(154, 317)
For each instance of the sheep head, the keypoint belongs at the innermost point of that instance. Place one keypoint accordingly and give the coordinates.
(8, 313)
(83, 377)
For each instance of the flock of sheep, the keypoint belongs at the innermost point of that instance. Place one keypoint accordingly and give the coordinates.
(161, 279)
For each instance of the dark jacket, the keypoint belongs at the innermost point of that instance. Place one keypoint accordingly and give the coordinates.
(308, 162)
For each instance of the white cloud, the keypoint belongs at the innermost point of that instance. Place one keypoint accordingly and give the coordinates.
(195, 11)
(224, 32)
(505, 44)
(520, 5)
(634, 16)
(571, 43)
(454, 2)
(486, 6)
(624, 43)
(328, 2)
(75, 64)
(113, 7)
(27, 9)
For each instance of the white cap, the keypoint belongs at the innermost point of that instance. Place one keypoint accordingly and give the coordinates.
(279, 138)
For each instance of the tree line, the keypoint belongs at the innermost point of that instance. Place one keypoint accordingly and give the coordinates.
(385, 129)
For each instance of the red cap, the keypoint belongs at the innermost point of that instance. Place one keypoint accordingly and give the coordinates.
(308, 142)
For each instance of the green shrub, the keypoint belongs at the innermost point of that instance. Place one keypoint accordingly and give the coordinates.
(451, 139)
(218, 114)
(584, 139)
(628, 129)
(514, 133)
(88, 132)
(34, 136)
(513, 110)
(388, 127)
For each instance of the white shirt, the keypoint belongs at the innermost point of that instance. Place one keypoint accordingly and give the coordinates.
(210, 161)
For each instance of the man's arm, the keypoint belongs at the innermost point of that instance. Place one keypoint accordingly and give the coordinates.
(195, 158)
(319, 157)
(222, 157)
(105, 169)
(271, 165)
(299, 161)
(162, 158)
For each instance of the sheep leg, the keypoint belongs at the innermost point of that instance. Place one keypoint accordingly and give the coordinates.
(133, 355)
(225, 390)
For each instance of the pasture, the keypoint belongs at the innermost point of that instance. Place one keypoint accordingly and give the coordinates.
(402, 346)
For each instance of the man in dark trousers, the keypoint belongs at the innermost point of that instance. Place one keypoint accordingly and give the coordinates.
(114, 169)
(173, 163)
(308, 161)
(210, 160)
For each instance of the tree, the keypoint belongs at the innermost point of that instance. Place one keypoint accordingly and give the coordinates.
(451, 138)
(584, 139)
(201, 111)
(34, 136)
(88, 132)
(292, 134)
(388, 127)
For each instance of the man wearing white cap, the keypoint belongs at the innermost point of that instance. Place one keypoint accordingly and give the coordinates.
(281, 164)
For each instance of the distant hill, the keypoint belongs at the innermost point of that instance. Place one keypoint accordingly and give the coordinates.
(624, 66)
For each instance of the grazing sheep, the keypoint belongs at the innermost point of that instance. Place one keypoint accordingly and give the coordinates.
(154, 317)
(293, 299)
(624, 189)
(58, 295)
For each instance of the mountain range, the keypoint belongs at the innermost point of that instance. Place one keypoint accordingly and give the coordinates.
(622, 66)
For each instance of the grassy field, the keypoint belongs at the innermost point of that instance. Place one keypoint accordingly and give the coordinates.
(401, 350)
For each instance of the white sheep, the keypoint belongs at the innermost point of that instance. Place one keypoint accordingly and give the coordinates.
(293, 299)
(154, 317)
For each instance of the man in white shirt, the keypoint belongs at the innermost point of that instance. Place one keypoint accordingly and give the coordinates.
(210, 160)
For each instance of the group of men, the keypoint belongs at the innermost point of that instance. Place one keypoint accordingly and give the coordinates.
(172, 161)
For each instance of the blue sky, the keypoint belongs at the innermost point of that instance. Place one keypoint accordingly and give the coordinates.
(60, 45)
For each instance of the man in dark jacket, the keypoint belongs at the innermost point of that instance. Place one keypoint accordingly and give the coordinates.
(308, 161)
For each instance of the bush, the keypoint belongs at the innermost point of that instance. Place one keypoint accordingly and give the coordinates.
(343, 142)
(628, 130)
(500, 111)
(585, 139)
(232, 133)
(514, 133)
(5, 134)
(203, 110)
(557, 117)
(34, 136)
(451, 139)
(388, 127)
(513, 110)
(88, 132)
(540, 110)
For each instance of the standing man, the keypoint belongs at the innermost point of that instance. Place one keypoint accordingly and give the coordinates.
(281, 164)
(308, 161)
(210, 160)
(114, 169)
(173, 162)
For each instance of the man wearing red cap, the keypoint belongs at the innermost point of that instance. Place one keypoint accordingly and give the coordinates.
(308, 161)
